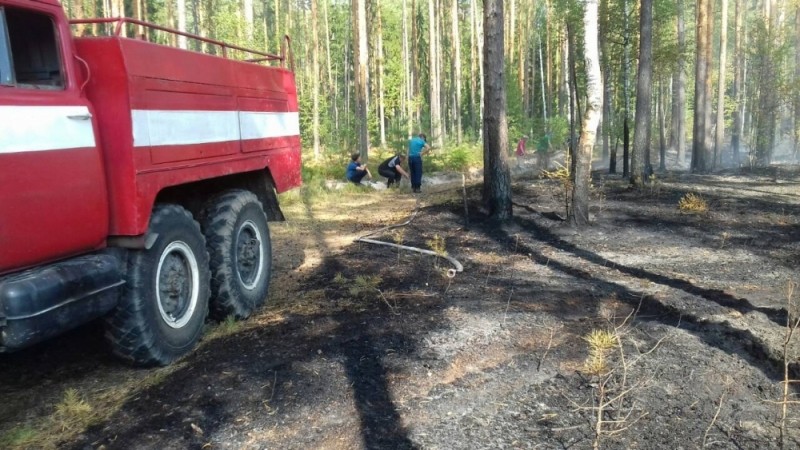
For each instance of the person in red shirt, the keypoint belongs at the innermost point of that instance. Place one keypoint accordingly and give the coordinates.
(521, 148)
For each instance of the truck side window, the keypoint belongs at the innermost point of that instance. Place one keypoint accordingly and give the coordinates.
(35, 57)
(5, 57)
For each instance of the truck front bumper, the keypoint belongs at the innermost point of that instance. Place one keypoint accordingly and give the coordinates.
(40, 303)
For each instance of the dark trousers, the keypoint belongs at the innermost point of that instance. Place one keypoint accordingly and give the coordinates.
(392, 175)
(358, 176)
(415, 167)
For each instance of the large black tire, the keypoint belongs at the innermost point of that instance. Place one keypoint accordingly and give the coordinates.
(163, 310)
(239, 246)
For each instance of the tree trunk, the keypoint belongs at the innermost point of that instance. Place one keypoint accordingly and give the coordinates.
(768, 102)
(579, 208)
(608, 123)
(473, 60)
(738, 80)
(644, 87)
(574, 109)
(181, 11)
(481, 71)
(662, 128)
(407, 73)
(247, 7)
(542, 77)
(796, 87)
(497, 178)
(381, 100)
(334, 87)
(723, 54)
(433, 76)
(361, 75)
(702, 89)
(456, 46)
(315, 77)
(626, 81)
(678, 136)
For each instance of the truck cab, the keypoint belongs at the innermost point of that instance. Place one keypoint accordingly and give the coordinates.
(137, 180)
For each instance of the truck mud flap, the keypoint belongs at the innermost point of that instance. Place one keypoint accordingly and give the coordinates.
(41, 303)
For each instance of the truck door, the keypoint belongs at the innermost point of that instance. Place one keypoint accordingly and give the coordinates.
(53, 200)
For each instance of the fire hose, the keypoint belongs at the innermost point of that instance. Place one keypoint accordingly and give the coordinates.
(365, 238)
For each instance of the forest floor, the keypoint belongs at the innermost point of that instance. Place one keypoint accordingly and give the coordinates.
(360, 346)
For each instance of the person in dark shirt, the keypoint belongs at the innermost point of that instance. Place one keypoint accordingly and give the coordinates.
(357, 171)
(393, 170)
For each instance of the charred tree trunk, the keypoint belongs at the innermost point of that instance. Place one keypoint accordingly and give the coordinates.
(738, 86)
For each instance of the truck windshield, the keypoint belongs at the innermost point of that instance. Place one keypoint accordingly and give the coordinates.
(5, 56)
(35, 59)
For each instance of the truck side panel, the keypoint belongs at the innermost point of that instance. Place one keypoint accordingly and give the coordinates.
(187, 118)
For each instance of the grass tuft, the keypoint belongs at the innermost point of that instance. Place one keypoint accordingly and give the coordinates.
(19, 437)
(693, 203)
(437, 245)
(73, 412)
(364, 285)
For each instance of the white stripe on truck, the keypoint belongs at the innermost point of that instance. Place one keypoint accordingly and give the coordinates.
(42, 128)
(158, 127)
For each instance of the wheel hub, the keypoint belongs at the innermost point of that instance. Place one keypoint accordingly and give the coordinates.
(249, 254)
(177, 279)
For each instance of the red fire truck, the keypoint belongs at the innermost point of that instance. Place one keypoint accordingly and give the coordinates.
(136, 180)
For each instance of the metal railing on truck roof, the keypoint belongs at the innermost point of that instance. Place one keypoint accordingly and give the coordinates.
(119, 22)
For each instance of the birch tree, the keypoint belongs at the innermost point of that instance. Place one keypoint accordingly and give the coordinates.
(579, 207)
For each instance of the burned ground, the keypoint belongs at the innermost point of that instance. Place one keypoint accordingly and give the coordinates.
(362, 347)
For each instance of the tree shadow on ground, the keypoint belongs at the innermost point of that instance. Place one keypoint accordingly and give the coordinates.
(750, 347)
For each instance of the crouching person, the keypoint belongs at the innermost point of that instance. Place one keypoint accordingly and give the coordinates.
(392, 169)
(357, 171)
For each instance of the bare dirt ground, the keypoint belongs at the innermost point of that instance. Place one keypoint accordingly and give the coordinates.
(364, 347)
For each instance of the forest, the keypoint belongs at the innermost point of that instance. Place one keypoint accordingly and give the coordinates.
(715, 82)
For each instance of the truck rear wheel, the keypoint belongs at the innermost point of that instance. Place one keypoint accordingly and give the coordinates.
(240, 251)
(164, 307)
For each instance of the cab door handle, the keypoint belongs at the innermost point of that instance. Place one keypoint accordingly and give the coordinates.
(80, 116)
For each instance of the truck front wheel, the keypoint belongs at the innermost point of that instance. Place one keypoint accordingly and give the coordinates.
(241, 253)
(163, 311)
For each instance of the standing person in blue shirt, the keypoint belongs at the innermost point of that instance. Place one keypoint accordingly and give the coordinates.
(357, 171)
(416, 148)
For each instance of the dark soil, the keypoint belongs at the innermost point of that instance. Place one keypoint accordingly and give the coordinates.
(492, 358)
